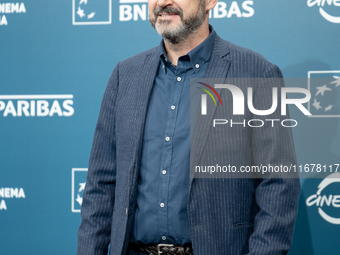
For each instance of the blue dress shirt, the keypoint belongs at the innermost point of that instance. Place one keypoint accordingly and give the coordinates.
(163, 187)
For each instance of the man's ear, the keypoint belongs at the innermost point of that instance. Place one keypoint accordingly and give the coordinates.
(211, 4)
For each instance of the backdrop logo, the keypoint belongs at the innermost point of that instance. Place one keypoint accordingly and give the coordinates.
(238, 99)
(36, 105)
(10, 193)
(133, 10)
(329, 200)
(9, 8)
(204, 97)
(91, 12)
(78, 186)
(234, 9)
(324, 87)
(323, 4)
(238, 105)
(138, 10)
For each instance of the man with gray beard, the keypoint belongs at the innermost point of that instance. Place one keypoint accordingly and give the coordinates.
(139, 196)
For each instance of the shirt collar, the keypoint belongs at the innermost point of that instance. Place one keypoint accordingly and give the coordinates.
(198, 56)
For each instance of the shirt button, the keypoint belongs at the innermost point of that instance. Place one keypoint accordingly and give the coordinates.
(179, 78)
(163, 66)
(161, 205)
(167, 138)
(164, 172)
(197, 66)
(163, 238)
(173, 107)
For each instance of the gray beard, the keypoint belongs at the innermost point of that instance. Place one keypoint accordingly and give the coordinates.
(184, 30)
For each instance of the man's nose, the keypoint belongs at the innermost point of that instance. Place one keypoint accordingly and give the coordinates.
(163, 3)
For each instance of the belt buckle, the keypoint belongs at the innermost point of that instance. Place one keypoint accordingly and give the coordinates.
(159, 252)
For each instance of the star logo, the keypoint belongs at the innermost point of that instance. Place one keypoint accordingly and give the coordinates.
(337, 81)
(328, 108)
(321, 90)
(324, 86)
(91, 12)
(78, 186)
(80, 12)
(90, 16)
(79, 200)
(316, 104)
(82, 186)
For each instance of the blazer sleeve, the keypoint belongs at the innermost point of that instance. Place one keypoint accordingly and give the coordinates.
(276, 194)
(98, 198)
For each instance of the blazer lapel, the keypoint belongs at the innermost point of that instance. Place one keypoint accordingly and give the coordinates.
(146, 76)
(218, 69)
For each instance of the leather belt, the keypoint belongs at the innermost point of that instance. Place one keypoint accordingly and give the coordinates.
(162, 249)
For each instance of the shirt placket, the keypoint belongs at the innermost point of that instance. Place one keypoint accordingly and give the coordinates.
(177, 78)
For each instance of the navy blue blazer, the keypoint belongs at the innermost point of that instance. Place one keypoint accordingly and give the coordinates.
(233, 216)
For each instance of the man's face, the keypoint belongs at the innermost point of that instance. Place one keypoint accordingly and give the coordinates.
(175, 20)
